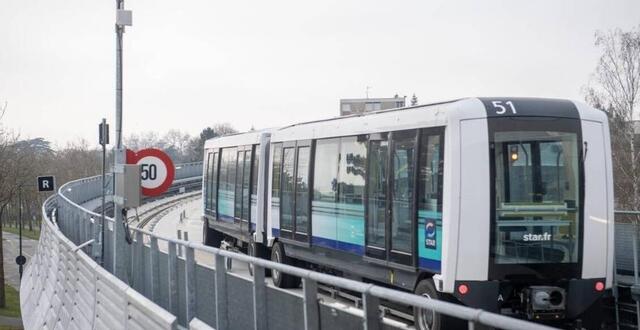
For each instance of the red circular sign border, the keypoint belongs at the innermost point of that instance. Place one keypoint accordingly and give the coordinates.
(133, 157)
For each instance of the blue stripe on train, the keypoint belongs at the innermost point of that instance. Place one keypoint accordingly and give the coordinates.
(432, 265)
(329, 243)
(423, 263)
(337, 245)
(225, 218)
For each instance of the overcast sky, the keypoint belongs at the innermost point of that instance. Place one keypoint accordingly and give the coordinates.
(194, 63)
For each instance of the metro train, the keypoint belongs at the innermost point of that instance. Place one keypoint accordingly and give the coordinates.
(504, 204)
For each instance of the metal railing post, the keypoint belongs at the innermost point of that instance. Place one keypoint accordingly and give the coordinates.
(76, 227)
(155, 270)
(311, 308)
(370, 306)
(221, 293)
(190, 283)
(88, 234)
(635, 268)
(172, 276)
(138, 262)
(179, 246)
(80, 228)
(259, 299)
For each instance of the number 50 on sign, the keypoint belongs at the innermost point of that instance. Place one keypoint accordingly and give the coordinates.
(156, 168)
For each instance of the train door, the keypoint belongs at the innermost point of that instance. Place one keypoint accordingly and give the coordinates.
(242, 189)
(295, 194)
(391, 201)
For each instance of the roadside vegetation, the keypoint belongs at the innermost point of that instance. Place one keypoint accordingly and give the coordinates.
(22, 160)
(12, 302)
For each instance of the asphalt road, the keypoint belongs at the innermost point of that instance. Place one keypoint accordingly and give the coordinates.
(10, 246)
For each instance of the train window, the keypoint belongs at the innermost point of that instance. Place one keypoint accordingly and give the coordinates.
(275, 183)
(226, 188)
(351, 183)
(302, 190)
(288, 189)
(404, 152)
(246, 183)
(377, 190)
(254, 181)
(430, 190)
(207, 181)
(325, 192)
(214, 184)
(238, 186)
(537, 191)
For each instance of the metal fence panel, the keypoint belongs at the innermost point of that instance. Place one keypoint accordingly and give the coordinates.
(205, 297)
(624, 242)
(110, 298)
(284, 310)
(239, 302)
(144, 315)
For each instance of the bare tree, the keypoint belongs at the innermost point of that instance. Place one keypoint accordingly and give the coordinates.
(616, 90)
(8, 188)
(3, 108)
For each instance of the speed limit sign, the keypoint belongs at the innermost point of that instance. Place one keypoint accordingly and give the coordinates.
(156, 170)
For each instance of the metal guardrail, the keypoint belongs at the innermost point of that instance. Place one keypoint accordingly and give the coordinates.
(196, 293)
(62, 288)
(626, 275)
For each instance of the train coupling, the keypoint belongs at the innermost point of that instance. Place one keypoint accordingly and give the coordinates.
(545, 302)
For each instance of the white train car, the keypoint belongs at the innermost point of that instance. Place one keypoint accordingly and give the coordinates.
(233, 194)
(504, 204)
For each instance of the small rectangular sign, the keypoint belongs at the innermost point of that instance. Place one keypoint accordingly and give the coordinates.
(430, 231)
(46, 183)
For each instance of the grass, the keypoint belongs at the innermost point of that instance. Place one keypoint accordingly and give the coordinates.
(12, 307)
(35, 234)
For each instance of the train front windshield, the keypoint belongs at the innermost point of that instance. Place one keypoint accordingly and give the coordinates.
(536, 190)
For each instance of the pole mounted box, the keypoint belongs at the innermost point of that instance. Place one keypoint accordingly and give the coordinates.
(128, 185)
(124, 17)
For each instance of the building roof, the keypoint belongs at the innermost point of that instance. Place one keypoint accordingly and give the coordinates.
(375, 99)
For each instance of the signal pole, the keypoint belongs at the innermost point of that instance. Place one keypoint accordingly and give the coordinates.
(103, 137)
(123, 18)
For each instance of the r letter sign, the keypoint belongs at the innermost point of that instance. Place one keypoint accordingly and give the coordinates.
(46, 183)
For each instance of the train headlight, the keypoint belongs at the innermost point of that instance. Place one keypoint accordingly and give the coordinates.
(514, 153)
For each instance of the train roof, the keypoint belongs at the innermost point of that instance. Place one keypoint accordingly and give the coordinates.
(433, 115)
(238, 139)
(424, 115)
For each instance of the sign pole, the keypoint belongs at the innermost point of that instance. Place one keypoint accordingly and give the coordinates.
(123, 18)
(20, 231)
(99, 233)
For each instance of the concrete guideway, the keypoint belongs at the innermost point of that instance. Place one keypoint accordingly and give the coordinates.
(169, 224)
